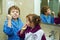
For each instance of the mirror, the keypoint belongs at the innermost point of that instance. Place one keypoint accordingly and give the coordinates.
(54, 8)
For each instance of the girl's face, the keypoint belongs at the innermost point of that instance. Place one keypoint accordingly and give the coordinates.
(48, 12)
(14, 13)
(29, 24)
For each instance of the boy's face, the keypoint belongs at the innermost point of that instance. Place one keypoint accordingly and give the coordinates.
(48, 11)
(14, 13)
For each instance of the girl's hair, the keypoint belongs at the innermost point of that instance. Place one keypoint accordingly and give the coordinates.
(13, 7)
(59, 14)
(44, 9)
(33, 18)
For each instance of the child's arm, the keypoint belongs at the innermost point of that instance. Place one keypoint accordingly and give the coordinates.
(7, 30)
(56, 20)
(7, 26)
(21, 33)
(43, 37)
(9, 17)
(52, 20)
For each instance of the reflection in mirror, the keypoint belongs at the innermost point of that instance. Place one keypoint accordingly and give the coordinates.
(46, 16)
(52, 12)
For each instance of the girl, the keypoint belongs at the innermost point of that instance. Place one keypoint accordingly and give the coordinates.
(32, 29)
(13, 24)
(57, 19)
(45, 15)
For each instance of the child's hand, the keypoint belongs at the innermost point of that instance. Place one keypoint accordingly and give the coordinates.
(24, 27)
(9, 17)
(53, 13)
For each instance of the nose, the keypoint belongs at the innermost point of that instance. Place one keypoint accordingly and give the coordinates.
(15, 13)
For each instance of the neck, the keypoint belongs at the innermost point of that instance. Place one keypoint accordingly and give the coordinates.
(46, 14)
(15, 19)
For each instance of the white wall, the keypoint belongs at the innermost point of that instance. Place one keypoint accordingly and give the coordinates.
(37, 4)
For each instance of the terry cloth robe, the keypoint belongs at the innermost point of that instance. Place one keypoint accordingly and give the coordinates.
(57, 20)
(35, 34)
(15, 27)
(47, 19)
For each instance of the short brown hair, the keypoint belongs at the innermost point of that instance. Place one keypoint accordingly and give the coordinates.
(44, 9)
(59, 14)
(13, 7)
(35, 18)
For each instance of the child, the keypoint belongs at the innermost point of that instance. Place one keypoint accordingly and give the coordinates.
(32, 29)
(45, 15)
(13, 24)
(57, 19)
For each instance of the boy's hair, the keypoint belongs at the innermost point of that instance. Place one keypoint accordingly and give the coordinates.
(44, 9)
(34, 18)
(59, 14)
(13, 7)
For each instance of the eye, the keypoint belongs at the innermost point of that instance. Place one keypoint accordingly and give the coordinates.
(17, 12)
(13, 11)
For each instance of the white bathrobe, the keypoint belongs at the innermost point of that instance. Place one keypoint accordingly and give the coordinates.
(34, 36)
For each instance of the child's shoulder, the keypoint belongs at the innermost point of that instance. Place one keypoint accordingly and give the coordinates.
(40, 31)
